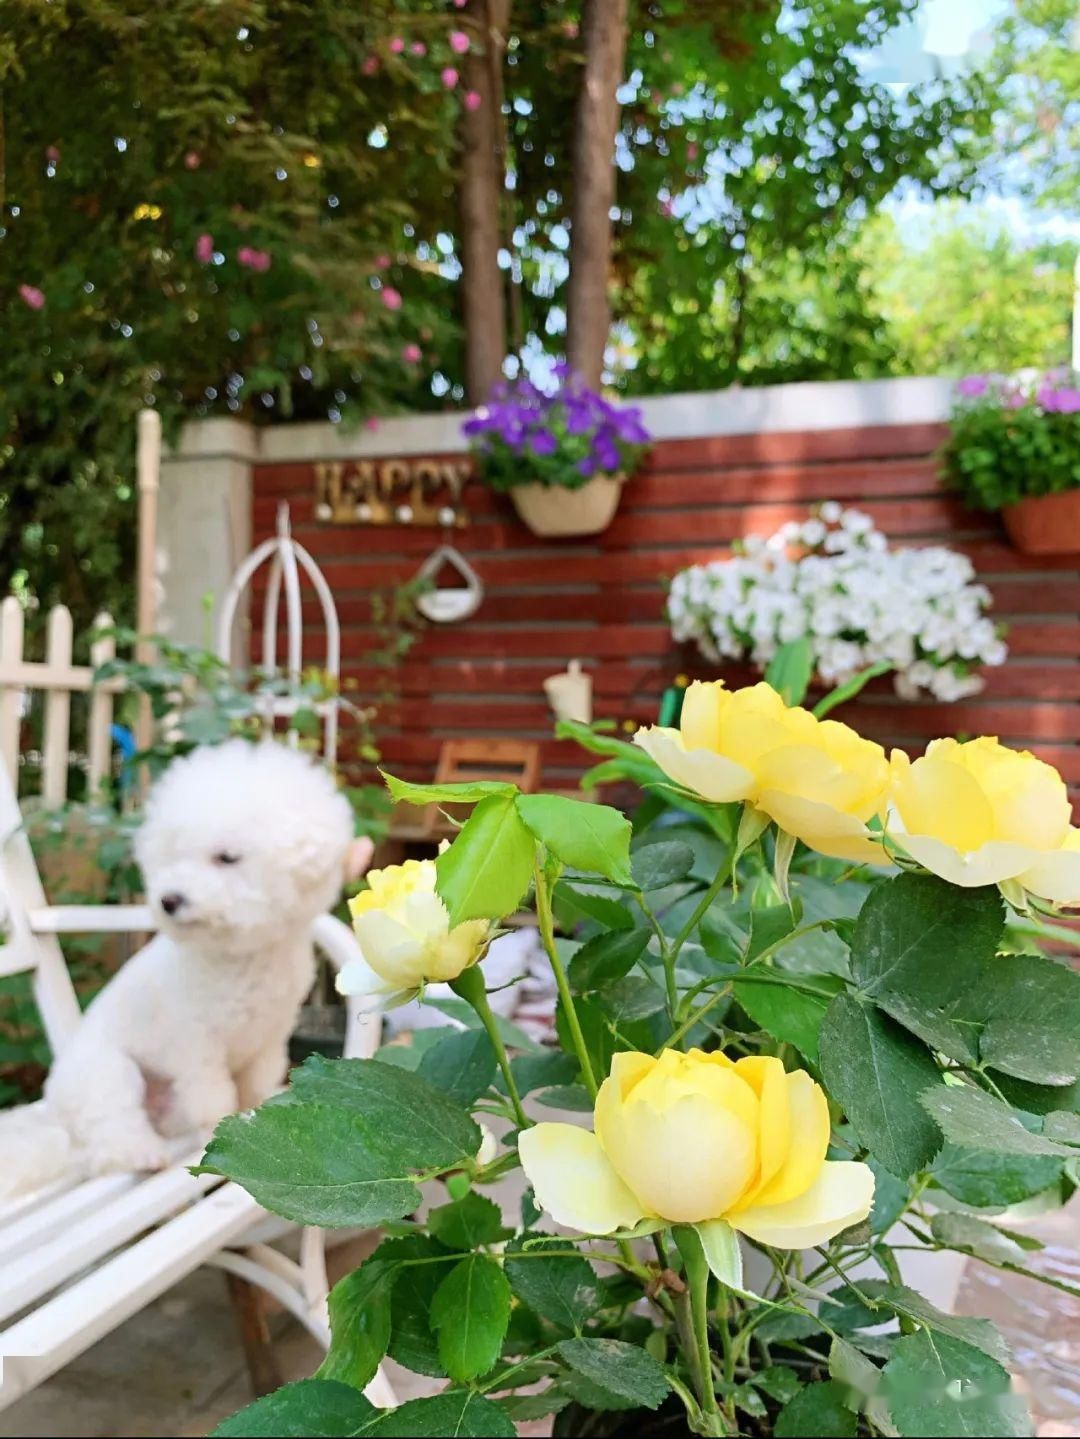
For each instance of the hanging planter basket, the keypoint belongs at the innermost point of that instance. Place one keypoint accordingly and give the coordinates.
(1045, 524)
(554, 510)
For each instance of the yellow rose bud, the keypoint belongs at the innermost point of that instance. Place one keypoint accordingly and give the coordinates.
(403, 929)
(817, 779)
(693, 1138)
(980, 813)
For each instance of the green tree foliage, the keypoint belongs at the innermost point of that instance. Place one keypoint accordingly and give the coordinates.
(217, 216)
(1035, 66)
(970, 298)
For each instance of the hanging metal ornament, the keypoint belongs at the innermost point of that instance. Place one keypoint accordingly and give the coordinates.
(447, 606)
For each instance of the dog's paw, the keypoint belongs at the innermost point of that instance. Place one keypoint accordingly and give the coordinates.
(140, 1155)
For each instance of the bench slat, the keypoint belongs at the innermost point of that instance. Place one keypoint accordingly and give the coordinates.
(51, 1264)
(58, 1331)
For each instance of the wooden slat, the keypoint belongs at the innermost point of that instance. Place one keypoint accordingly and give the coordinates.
(11, 696)
(57, 709)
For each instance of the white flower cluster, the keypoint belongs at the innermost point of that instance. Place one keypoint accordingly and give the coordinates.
(834, 579)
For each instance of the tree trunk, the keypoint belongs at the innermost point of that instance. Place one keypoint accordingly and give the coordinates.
(483, 294)
(588, 313)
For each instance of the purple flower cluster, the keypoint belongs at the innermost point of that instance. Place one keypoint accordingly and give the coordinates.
(574, 424)
(1057, 393)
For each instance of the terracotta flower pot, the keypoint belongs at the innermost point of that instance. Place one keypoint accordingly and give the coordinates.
(1045, 524)
(555, 510)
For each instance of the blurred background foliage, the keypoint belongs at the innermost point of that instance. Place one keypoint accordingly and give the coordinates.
(252, 209)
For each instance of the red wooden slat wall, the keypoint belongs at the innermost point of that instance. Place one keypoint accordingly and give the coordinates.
(601, 599)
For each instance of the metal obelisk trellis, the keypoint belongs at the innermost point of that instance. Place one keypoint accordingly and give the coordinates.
(287, 559)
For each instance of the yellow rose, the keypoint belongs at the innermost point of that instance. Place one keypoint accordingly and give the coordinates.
(981, 813)
(817, 779)
(404, 932)
(693, 1138)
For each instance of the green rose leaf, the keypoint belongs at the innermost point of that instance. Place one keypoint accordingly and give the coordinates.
(308, 1409)
(412, 1342)
(937, 1385)
(586, 836)
(486, 871)
(1033, 1020)
(984, 1240)
(470, 1313)
(627, 1376)
(877, 1074)
(665, 862)
(562, 1289)
(460, 1412)
(461, 1066)
(987, 1180)
(470, 792)
(925, 951)
(978, 1333)
(311, 1164)
(819, 1409)
(977, 1120)
(787, 1013)
(607, 957)
(472, 1221)
(574, 903)
(359, 1324)
(405, 1119)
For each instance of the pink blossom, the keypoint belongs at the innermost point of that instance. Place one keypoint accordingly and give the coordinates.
(370, 66)
(460, 4)
(192, 160)
(418, 47)
(459, 42)
(390, 297)
(204, 249)
(412, 354)
(971, 386)
(382, 262)
(32, 296)
(570, 29)
(371, 423)
(691, 151)
(52, 154)
(667, 209)
(397, 45)
(473, 99)
(449, 77)
(253, 259)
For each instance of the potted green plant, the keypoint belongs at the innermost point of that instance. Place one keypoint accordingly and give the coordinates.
(1015, 447)
(562, 455)
(768, 1098)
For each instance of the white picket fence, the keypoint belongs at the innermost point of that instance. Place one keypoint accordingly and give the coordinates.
(58, 680)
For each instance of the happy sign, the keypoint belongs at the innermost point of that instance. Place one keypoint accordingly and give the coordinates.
(410, 491)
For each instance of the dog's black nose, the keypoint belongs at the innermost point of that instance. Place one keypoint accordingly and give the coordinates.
(170, 903)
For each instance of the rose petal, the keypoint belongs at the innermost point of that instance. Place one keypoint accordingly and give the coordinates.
(841, 1196)
(574, 1180)
(710, 775)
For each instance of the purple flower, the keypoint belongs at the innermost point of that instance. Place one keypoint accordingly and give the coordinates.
(542, 442)
(971, 386)
(606, 452)
(1065, 401)
(587, 467)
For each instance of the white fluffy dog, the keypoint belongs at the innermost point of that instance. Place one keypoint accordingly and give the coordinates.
(242, 848)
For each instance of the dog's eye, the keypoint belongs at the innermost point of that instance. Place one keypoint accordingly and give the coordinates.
(226, 856)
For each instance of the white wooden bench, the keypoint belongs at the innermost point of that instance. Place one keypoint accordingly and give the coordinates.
(77, 1259)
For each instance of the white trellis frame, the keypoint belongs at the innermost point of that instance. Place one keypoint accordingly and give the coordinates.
(287, 559)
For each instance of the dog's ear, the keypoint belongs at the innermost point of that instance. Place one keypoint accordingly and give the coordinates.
(358, 857)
